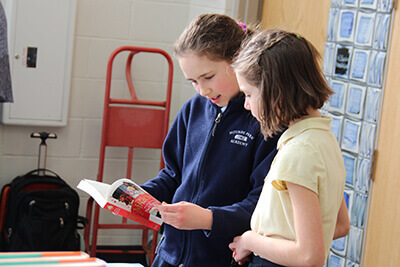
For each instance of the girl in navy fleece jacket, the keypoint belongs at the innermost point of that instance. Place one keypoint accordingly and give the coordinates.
(215, 156)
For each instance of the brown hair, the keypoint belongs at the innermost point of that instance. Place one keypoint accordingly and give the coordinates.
(213, 35)
(285, 67)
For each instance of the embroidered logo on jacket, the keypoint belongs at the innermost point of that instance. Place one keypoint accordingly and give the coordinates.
(240, 137)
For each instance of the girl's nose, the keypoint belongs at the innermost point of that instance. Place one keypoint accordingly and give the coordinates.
(204, 91)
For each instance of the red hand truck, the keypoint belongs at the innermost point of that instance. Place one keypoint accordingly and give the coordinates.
(129, 123)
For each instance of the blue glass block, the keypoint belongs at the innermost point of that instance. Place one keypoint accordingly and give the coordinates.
(347, 24)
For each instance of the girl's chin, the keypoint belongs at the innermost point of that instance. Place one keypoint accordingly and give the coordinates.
(221, 105)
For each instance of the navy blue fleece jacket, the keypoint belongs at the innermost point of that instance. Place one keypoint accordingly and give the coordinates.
(217, 161)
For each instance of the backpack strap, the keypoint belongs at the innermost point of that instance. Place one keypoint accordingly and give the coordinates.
(3, 205)
(37, 171)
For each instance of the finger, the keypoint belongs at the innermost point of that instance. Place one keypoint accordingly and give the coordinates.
(161, 206)
(166, 212)
(160, 209)
(167, 219)
(170, 208)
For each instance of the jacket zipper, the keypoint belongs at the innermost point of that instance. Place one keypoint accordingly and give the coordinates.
(216, 122)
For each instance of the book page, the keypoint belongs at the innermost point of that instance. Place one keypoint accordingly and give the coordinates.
(95, 189)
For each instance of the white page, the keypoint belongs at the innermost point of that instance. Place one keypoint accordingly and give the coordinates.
(95, 189)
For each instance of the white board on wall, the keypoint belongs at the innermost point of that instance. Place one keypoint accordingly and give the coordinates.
(41, 35)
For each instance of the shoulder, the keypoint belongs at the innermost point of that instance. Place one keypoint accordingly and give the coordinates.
(299, 159)
(197, 102)
(299, 163)
(299, 149)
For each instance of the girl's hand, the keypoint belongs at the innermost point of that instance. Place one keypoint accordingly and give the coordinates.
(186, 216)
(241, 252)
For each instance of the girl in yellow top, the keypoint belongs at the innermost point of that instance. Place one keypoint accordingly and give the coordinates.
(301, 207)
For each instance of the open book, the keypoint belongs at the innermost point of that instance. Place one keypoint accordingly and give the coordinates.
(125, 198)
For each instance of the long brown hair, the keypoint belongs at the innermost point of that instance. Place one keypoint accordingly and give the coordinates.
(285, 67)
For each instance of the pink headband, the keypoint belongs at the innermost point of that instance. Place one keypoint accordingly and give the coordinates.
(243, 26)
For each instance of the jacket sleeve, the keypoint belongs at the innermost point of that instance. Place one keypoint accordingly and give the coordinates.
(164, 185)
(233, 220)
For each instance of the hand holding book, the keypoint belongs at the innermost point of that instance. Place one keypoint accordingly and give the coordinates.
(186, 216)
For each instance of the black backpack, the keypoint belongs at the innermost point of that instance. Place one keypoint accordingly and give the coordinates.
(39, 212)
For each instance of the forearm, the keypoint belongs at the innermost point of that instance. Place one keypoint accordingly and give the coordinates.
(206, 219)
(343, 222)
(282, 251)
(161, 187)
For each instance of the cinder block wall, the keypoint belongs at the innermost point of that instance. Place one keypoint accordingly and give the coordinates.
(101, 27)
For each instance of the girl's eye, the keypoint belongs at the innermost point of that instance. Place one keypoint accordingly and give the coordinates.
(246, 95)
(209, 77)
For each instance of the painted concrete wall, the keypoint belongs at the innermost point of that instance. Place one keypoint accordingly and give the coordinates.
(101, 27)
